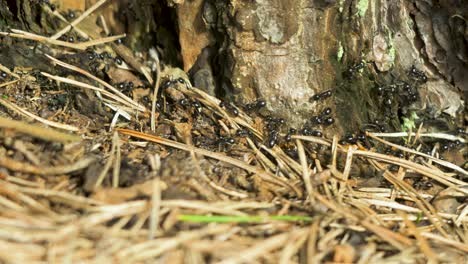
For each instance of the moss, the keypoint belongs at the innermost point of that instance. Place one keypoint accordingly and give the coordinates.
(362, 6)
(409, 123)
(340, 53)
(340, 6)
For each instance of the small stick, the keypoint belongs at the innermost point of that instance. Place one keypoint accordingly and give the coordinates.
(14, 165)
(138, 106)
(155, 93)
(117, 160)
(43, 133)
(155, 208)
(305, 169)
(78, 19)
(25, 113)
(436, 160)
(432, 135)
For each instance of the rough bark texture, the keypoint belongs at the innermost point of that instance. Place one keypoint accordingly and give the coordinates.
(286, 51)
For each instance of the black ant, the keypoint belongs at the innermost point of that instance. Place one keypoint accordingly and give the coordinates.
(196, 104)
(229, 107)
(321, 96)
(272, 138)
(274, 123)
(226, 141)
(326, 111)
(306, 131)
(351, 71)
(329, 120)
(422, 184)
(460, 130)
(417, 74)
(243, 133)
(118, 60)
(288, 136)
(184, 102)
(255, 105)
(316, 120)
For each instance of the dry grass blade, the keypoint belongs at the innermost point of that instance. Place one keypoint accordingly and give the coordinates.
(100, 41)
(155, 208)
(441, 162)
(436, 175)
(38, 38)
(79, 19)
(102, 175)
(202, 206)
(305, 169)
(155, 92)
(263, 174)
(153, 248)
(434, 237)
(47, 134)
(347, 168)
(117, 160)
(296, 242)
(108, 86)
(431, 135)
(7, 71)
(427, 208)
(86, 86)
(8, 83)
(14, 165)
(425, 248)
(258, 250)
(391, 237)
(57, 14)
(25, 113)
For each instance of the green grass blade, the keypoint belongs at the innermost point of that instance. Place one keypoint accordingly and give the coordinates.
(242, 219)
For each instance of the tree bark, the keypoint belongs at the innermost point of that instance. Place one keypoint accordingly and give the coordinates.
(285, 51)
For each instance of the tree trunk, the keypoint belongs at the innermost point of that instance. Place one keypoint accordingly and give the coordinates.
(286, 51)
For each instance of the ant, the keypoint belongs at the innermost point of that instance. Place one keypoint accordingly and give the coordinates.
(321, 96)
(273, 138)
(274, 123)
(417, 74)
(306, 131)
(352, 70)
(288, 136)
(232, 109)
(255, 105)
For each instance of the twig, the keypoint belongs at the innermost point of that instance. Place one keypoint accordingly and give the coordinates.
(117, 160)
(79, 19)
(441, 162)
(43, 133)
(432, 135)
(305, 169)
(14, 165)
(155, 208)
(155, 93)
(105, 84)
(25, 113)
(260, 249)
(449, 181)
